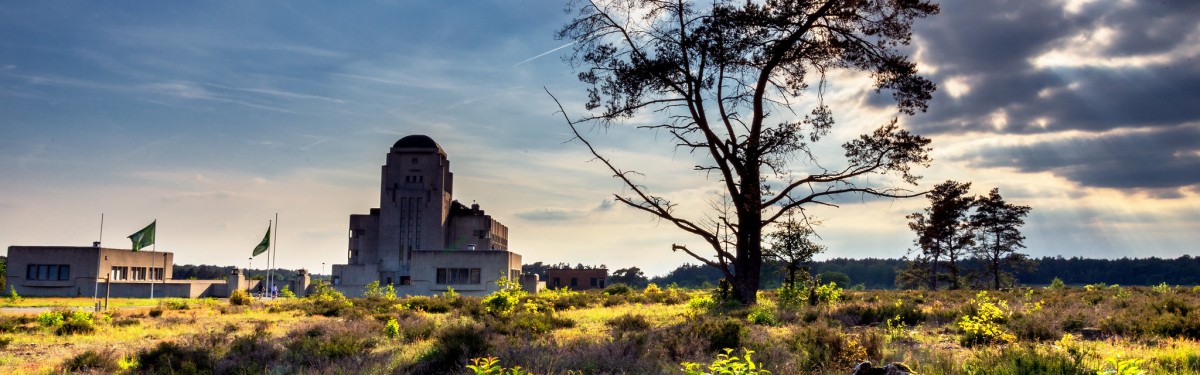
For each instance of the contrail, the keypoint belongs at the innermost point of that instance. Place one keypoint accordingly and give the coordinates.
(545, 53)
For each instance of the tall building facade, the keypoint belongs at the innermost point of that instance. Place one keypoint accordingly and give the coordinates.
(420, 238)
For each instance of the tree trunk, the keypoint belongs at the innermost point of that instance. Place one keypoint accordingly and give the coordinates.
(747, 266)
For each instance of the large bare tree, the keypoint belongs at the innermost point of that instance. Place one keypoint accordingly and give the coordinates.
(728, 81)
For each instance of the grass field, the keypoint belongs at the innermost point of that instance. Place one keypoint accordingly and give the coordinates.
(1064, 331)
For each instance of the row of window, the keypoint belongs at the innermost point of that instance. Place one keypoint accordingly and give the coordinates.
(595, 282)
(458, 276)
(60, 272)
(135, 273)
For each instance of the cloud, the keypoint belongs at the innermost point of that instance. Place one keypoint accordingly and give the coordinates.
(1150, 158)
(1104, 68)
(563, 214)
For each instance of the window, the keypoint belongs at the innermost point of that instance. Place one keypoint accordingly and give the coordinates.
(156, 273)
(120, 273)
(594, 282)
(458, 276)
(574, 282)
(557, 283)
(48, 272)
(139, 273)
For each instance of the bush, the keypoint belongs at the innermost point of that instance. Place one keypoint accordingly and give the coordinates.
(93, 361)
(1056, 284)
(829, 294)
(628, 323)
(286, 292)
(727, 364)
(722, 333)
(156, 312)
(169, 358)
(984, 327)
(504, 301)
(761, 316)
(618, 289)
(79, 322)
(50, 318)
(174, 304)
(453, 346)
(491, 366)
(392, 329)
(240, 297)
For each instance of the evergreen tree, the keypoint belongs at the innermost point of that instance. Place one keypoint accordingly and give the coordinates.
(792, 245)
(943, 231)
(997, 228)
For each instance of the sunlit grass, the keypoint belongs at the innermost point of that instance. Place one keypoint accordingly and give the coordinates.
(77, 302)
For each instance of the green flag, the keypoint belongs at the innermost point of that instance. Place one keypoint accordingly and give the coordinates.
(144, 237)
(262, 246)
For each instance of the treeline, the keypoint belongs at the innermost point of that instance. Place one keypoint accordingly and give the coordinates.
(874, 273)
(211, 272)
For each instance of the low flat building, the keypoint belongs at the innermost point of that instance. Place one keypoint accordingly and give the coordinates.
(75, 271)
(577, 278)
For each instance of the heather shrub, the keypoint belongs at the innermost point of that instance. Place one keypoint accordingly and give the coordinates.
(93, 361)
(628, 323)
(761, 316)
(78, 322)
(618, 289)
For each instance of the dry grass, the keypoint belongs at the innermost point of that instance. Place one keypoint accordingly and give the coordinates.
(1072, 331)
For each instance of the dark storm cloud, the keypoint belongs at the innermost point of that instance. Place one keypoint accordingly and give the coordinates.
(992, 46)
(1155, 158)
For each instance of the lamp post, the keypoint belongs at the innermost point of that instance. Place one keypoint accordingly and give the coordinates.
(322, 268)
(249, 265)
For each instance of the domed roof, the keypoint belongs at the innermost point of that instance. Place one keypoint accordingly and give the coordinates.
(416, 141)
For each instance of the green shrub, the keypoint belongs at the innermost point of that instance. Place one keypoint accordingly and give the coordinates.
(727, 364)
(504, 301)
(618, 289)
(286, 292)
(392, 329)
(984, 327)
(1163, 288)
(789, 296)
(1118, 366)
(156, 312)
(829, 293)
(50, 318)
(491, 366)
(4, 341)
(174, 304)
(79, 322)
(240, 297)
(1056, 284)
(13, 297)
(702, 303)
(761, 316)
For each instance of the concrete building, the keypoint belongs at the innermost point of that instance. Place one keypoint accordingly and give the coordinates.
(421, 240)
(70, 271)
(576, 278)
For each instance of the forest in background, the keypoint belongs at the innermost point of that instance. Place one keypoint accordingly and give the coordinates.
(871, 273)
(874, 273)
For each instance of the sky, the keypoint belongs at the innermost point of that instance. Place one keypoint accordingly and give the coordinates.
(213, 117)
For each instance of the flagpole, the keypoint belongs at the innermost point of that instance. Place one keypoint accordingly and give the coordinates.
(153, 252)
(274, 248)
(99, 246)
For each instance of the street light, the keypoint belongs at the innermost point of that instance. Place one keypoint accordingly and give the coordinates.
(249, 265)
(322, 268)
